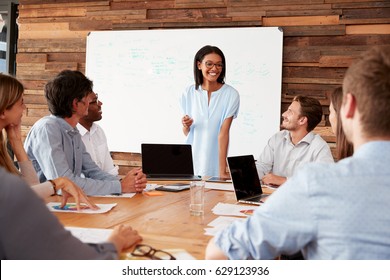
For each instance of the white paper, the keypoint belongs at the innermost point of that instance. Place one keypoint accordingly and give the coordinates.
(119, 195)
(90, 235)
(232, 209)
(150, 187)
(100, 235)
(223, 221)
(180, 254)
(71, 208)
(220, 223)
(219, 186)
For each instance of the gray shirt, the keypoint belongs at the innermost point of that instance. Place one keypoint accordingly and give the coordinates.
(29, 231)
(56, 150)
(281, 157)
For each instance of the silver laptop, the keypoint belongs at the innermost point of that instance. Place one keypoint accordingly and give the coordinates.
(245, 178)
(171, 162)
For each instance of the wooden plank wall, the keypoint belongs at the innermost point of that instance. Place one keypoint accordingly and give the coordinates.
(321, 38)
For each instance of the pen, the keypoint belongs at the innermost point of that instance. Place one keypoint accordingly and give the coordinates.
(116, 194)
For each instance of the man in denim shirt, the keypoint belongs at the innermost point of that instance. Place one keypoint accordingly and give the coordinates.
(55, 147)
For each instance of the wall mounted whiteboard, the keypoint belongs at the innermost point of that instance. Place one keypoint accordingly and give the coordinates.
(140, 76)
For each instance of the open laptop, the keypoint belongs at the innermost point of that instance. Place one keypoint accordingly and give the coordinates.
(171, 162)
(245, 179)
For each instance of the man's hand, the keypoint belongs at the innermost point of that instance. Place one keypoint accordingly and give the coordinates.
(272, 179)
(134, 181)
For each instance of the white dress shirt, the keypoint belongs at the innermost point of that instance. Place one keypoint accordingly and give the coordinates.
(95, 142)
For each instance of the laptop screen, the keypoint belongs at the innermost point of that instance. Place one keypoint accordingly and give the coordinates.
(244, 176)
(167, 159)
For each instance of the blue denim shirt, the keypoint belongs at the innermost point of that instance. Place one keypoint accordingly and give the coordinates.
(328, 211)
(56, 150)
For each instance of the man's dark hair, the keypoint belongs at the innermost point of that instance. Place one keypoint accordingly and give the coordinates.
(63, 89)
(311, 109)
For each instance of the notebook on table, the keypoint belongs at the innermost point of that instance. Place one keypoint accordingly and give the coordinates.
(171, 162)
(245, 179)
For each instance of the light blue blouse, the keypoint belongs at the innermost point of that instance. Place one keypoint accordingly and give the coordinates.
(208, 119)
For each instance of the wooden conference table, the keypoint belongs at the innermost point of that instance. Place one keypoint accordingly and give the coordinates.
(164, 221)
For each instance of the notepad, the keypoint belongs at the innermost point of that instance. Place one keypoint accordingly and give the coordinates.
(153, 193)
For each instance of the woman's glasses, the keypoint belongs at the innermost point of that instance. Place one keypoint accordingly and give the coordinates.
(142, 250)
(210, 65)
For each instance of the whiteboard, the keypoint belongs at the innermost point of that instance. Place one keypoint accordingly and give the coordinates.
(141, 74)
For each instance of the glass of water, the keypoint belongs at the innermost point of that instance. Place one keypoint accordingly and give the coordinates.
(197, 198)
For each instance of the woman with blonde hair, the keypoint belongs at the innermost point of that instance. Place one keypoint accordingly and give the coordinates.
(11, 112)
(47, 239)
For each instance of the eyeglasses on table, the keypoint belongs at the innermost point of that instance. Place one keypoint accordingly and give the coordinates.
(143, 250)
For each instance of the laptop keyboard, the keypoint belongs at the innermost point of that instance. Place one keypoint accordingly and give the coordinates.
(256, 198)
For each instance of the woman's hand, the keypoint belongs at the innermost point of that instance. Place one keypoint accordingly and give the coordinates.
(187, 121)
(14, 132)
(14, 137)
(69, 189)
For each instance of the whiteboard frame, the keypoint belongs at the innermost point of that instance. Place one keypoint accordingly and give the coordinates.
(141, 74)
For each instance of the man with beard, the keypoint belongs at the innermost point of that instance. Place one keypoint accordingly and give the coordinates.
(296, 145)
(94, 138)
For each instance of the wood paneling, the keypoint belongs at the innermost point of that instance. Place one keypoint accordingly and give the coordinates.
(368, 29)
(314, 30)
(303, 20)
(321, 39)
(126, 161)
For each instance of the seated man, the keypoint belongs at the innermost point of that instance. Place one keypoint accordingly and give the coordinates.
(296, 144)
(94, 138)
(331, 210)
(55, 147)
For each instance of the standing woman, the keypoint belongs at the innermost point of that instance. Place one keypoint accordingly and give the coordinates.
(11, 112)
(343, 147)
(209, 107)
